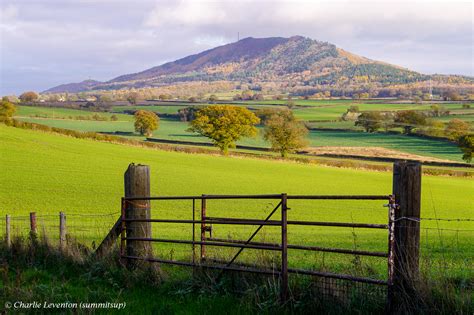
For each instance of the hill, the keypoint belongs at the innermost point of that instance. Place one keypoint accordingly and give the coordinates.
(297, 60)
(75, 87)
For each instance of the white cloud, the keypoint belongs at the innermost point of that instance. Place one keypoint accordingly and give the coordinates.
(186, 12)
(72, 40)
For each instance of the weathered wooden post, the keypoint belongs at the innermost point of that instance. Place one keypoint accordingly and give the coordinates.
(8, 238)
(62, 230)
(137, 184)
(33, 228)
(406, 247)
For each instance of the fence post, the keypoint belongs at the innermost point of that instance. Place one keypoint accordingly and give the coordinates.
(137, 184)
(284, 250)
(406, 248)
(62, 230)
(33, 228)
(8, 239)
(203, 228)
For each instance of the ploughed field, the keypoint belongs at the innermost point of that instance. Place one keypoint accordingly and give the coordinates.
(176, 130)
(49, 173)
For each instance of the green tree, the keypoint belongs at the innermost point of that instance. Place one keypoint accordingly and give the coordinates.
(285, 133)
(466, 144)
(29, 96)
(370, 121)
(7, 110)
(353, 109)
(213, 98)
(435, 128)
(409, 120)
(456, 128)
(146, 122)
(224, 124)
(132, 98)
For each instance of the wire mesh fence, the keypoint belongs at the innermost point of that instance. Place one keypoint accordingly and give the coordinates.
(445, 243)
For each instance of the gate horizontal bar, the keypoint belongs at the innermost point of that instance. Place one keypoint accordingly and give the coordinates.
(268, 196)
(263, 222)
(161, 240)
(271, 196)
(340, 197)
(241, 222)
(340, 224)
(183, 263)
(262, 271)
(310, 248)
(337, 276)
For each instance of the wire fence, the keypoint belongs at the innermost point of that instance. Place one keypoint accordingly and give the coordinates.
(445, 246)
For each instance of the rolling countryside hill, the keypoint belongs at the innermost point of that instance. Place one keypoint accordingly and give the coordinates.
(296, 60)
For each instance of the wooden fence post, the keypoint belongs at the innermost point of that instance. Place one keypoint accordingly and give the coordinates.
(62, 230)
(407, 192)
(8, 238)
(137, 184)
(33, 228)
(284, 250)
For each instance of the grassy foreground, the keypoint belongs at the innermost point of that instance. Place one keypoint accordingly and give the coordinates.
(48, 173)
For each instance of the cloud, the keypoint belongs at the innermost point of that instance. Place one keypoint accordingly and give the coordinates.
(74, 40)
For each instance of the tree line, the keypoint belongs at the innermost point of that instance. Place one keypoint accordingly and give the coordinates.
(224, 125)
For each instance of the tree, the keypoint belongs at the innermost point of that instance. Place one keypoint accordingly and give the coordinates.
(265, 113)
(113, 118)
(370, 121)
(224, 124)
(435, 128)
(187, 113)
(353, 109)
(466, 144)
(146, 122)
(409, 119)
(456, 128)
(29, 96)
(285, 133)
(7, 110)
(132, 98)
(213, 98)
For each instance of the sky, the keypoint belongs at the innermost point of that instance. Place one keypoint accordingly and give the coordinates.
(45, 43)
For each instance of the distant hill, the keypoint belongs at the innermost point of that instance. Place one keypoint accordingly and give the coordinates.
(300, 60)
(75, 87)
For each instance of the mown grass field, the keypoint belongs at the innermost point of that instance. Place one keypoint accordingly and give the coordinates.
(48, 173)
(176, 130)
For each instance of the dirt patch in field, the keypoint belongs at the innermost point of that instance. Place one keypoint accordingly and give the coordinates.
(371, 152)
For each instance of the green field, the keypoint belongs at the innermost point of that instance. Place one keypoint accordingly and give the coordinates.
(176, 130)
(49, 173)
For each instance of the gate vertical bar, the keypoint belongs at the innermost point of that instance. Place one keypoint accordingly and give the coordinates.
(391, 246)
(284, 249)
(194, 230)
(203, 227)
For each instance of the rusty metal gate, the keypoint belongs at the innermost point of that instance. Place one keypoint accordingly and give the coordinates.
(206, 222)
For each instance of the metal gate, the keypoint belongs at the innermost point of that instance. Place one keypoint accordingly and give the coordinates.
(207, 222)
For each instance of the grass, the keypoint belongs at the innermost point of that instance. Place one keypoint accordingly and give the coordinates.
(50, 173)
(176, 130)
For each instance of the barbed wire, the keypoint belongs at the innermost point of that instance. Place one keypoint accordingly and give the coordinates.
(446, 219)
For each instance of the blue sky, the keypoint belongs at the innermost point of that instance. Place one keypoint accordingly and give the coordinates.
(50, 42)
